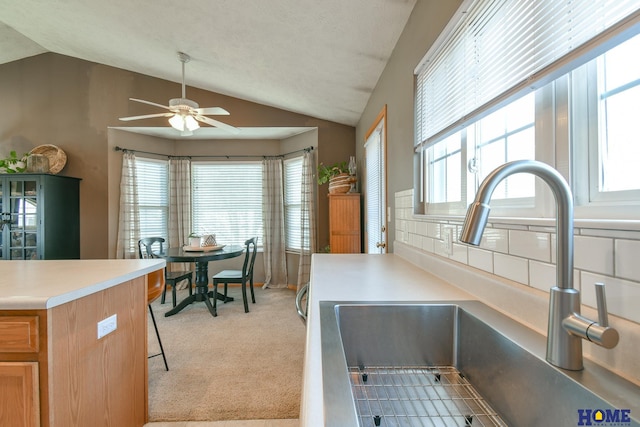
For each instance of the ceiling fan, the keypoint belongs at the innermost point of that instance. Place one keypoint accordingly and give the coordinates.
(184, 114)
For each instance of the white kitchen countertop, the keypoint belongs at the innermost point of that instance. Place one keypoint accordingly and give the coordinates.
(28, 285)
(359, 277)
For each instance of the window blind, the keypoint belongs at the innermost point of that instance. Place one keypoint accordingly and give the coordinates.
(375, 211)
(227, 200)
(293, 202)
(152, 178)
(499, 49)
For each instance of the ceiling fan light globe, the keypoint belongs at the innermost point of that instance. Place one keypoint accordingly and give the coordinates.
(177, 122)
(191, 123)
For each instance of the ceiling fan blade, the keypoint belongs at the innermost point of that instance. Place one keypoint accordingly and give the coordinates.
(217, 124)
(212, 111)
(146, 116)
(149, 103)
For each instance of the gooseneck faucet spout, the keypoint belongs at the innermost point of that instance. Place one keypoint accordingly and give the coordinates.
(566, 327)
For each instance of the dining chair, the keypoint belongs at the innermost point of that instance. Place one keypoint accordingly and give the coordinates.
(172, 278)
(238, 276)
(154, 288)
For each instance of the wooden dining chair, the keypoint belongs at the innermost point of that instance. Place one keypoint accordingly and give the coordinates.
(172, 278)
(238, 276)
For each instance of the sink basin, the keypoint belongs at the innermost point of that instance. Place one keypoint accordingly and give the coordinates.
(455, 363)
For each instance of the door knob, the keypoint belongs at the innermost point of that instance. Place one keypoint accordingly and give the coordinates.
(381, 245)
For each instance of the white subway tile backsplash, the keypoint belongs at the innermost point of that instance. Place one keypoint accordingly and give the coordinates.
(511, 267)
(530, 244)
(593, 254)
(433, 230)
(542, 275)
(627, 259)
(459, 253)
(415, 240)
(622, 295)
(428, 244)
(480, 259)
(495, 240)
(617, 234)
(421, 228)
(527, 253)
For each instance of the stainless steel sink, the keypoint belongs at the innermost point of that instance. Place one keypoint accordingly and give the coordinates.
(455, 363)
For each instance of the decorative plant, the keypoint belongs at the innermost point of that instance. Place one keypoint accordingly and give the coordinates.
(13, 164)
(325, 173)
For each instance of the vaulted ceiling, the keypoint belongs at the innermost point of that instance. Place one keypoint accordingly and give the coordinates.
(321, 58)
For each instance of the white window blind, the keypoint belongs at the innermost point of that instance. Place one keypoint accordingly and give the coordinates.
(375, 211)
(152, 177)
(227, 200)
(293, 202)
(499, 49)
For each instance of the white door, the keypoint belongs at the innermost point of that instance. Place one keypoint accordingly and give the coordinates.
(375, 186)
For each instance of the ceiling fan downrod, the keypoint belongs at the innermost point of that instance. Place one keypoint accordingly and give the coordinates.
(184, 58)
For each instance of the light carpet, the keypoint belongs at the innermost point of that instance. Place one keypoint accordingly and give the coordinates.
(237, 366)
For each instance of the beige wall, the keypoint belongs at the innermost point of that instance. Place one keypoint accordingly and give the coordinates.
(395, 89)
(54, 99)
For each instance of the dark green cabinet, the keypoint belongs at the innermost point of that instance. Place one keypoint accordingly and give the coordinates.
(40, 216)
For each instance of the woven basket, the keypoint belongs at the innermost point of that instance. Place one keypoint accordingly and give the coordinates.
(57, 157)
(340, 184)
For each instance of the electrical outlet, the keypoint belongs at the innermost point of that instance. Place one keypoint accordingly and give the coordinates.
(107, 325)
(448, 240)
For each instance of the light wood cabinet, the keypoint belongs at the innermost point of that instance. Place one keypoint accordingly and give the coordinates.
(56, 372)
(344, 223)
(20, 404)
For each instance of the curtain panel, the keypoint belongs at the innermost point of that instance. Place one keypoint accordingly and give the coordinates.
(179, 220)
(275, 258)
(307, 217)
(129, 215)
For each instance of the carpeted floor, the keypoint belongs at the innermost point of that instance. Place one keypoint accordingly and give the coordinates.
(237, 366)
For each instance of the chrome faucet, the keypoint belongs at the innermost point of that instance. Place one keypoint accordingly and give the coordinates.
(566, 328)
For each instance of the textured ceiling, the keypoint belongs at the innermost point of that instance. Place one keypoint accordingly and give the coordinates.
(321, 58)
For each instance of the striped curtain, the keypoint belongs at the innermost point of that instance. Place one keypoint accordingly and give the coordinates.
(307, 217)
(179, 220)
(129, 216)
(275, 257)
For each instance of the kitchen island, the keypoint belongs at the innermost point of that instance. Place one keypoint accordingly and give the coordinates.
(359, 277)
(55, 370)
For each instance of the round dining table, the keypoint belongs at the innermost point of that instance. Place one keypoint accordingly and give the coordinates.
(201, 258)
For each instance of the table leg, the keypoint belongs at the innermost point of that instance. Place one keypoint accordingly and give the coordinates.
(201, 292)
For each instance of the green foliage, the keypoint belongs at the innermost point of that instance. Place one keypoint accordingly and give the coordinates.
(13, 164)
(325, 173)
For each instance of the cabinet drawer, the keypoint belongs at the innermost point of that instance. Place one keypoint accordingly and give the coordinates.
(19, 334)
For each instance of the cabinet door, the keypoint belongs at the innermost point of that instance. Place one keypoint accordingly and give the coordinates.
(22, 202)
(19, 402)
(344, 223)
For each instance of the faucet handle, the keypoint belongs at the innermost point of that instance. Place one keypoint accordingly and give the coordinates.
(600, 332)
(601, 301)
